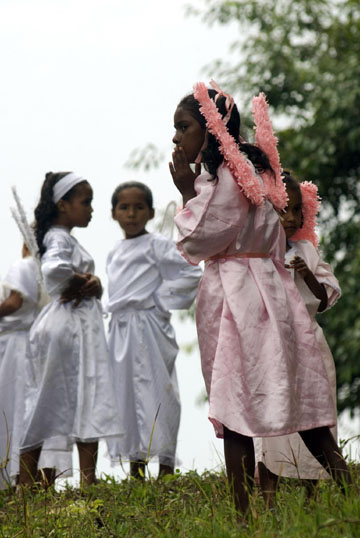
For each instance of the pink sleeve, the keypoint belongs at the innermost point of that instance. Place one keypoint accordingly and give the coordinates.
(212, 220)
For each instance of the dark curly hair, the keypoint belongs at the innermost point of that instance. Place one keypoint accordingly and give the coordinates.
(211, 156)
(293, 184)
(132, 185)
(46, 211)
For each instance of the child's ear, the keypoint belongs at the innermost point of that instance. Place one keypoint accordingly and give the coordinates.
(113, 214)
(61, 205)
(152, 214)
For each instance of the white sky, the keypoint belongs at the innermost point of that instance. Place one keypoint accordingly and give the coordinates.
(83, 83)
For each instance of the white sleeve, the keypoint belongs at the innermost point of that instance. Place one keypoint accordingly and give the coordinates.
(180, 279)
(23, 277)
(325, 276)
(56, 263)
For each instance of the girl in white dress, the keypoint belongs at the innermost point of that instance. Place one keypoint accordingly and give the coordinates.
(70, 393)
(287, 456)
(147, 277)
(18, 309)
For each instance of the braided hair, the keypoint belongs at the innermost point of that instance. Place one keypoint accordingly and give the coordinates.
(46, 211)
(211, 156)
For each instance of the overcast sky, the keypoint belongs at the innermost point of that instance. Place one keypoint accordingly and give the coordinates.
(83, 83)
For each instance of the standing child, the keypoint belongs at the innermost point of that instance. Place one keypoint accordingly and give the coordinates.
(147, 278)
(287, 456)
(261, 363)
(70, 394)
(18, 309)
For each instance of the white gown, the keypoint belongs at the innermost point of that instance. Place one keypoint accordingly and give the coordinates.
(14, 335)
(147, 277)
(287, 455)
(70, 391)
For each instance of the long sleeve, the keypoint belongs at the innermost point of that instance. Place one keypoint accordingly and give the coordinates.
(180, 279)
(205, 229)
(23, 278)
(56, 263)
(326, 277)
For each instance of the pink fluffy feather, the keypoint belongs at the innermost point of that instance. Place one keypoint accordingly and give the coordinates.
(241, 169)
(311, 206)
(266, 140)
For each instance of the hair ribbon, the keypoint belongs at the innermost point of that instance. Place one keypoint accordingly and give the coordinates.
(229, 100)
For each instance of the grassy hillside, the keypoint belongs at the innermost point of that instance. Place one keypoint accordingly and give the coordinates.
(184, 505)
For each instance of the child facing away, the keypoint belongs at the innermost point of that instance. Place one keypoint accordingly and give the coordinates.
(19, 307)
(263, 370)
(70, 393)
(287, 456)
(147, 277)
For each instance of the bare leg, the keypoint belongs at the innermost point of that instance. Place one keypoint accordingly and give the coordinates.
(324, 448)
(165, 469)
(310, 486)
(87, 457)
(137, 469)
(28, 466)
(268, 484)
(46, 477)
(240, 466)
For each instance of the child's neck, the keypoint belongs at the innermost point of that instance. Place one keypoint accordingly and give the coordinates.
(62, 221)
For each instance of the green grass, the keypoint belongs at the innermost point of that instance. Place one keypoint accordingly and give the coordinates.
(186, 505)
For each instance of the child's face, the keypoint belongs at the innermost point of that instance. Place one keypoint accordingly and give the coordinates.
(291, 219)
(188, 134)
(77, 211)
(132, 212)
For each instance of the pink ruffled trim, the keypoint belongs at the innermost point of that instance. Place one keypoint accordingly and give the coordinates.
(267, 142)
(311, 206)
(240, 168)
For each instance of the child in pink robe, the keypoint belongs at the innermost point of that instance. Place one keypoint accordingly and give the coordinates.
(261, 363)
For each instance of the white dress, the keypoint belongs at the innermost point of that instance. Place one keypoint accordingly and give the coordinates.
(14, 335)
(70, 391)
(287, 455)
(147, 278)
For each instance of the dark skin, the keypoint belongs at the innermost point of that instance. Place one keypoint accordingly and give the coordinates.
(188, 139)
(11, 304)
(318, 289)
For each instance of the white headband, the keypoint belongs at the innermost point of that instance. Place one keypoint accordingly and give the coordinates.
(65, 184)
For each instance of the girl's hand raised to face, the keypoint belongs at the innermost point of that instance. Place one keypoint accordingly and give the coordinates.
(182, 174)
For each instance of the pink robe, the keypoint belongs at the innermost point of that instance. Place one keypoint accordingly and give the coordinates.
(260, 360)
(287, 455)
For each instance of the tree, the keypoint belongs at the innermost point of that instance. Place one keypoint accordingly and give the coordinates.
(305, 56)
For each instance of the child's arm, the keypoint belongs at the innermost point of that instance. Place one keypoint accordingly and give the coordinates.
(11, 304)
(81, 286)
(318, 289)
